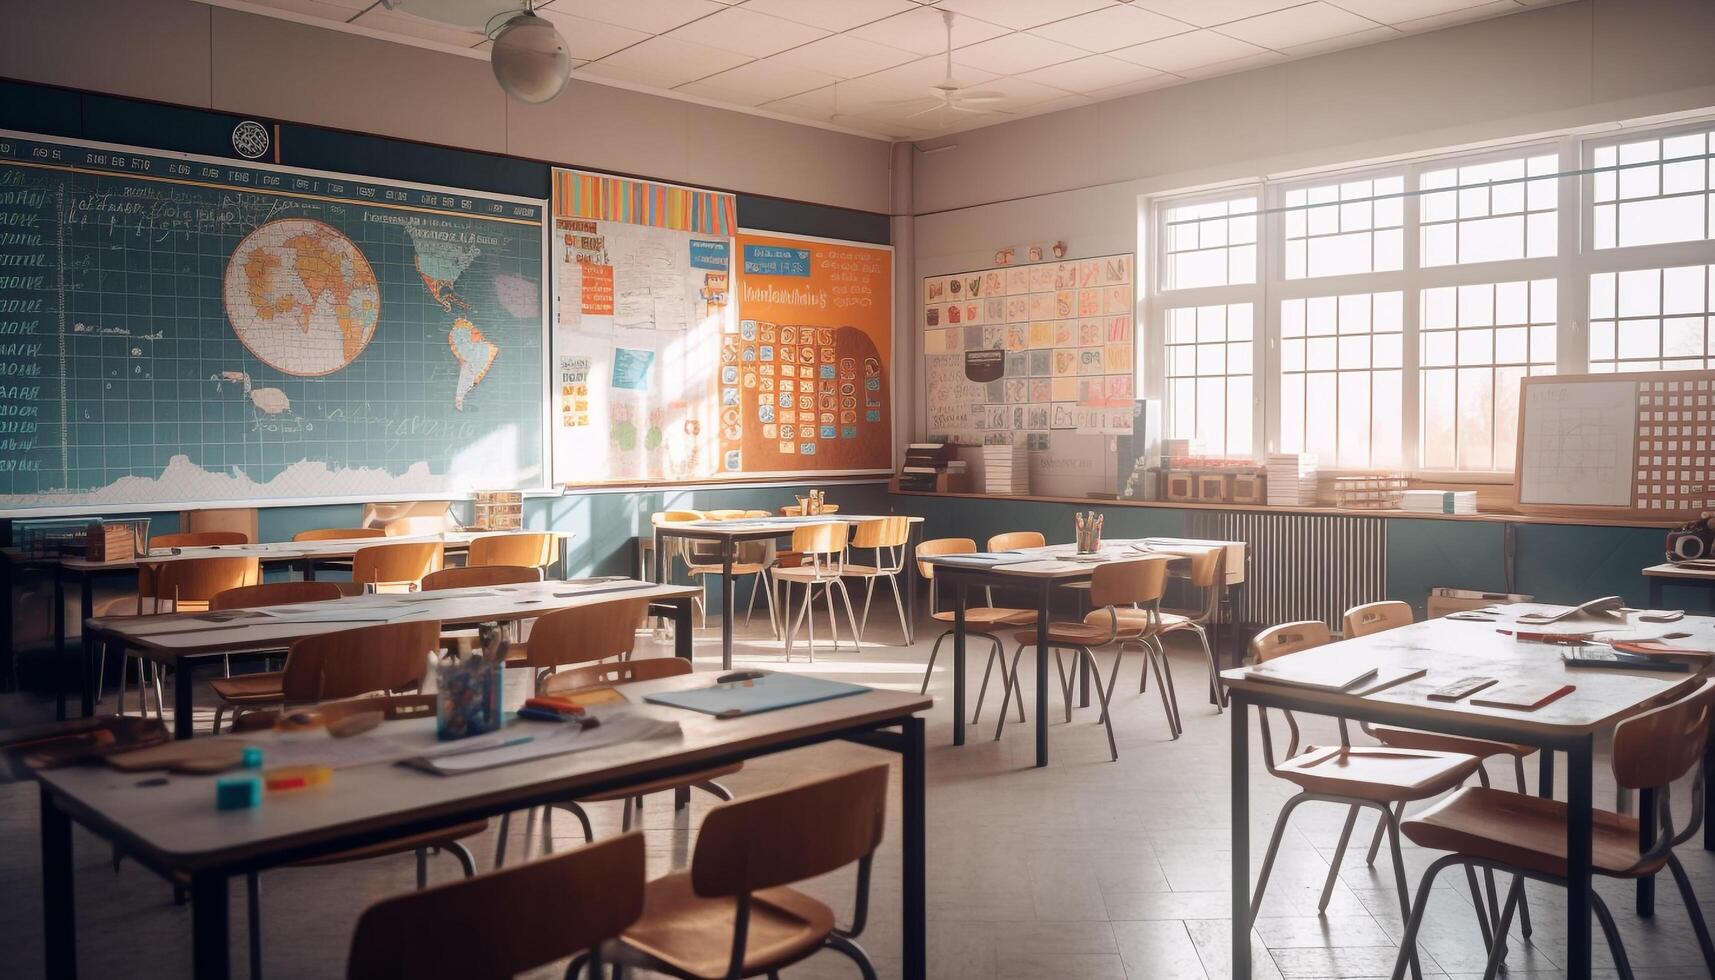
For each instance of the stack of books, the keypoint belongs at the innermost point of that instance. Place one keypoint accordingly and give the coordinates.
(1439, 501)
(1006, 470)
(932, 467)
(1291, 480)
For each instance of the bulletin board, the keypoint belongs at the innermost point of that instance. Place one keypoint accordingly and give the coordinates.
(1018, 355)
(806, 379)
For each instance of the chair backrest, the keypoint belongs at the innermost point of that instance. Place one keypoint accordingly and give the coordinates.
(1207, 567)
(406, 527)
(797, 510)
(197, 539)
(821, 539)
(437, 515)
(1013, 540)
(882, 532)
(196, 581)
(339, 534)
(238, 520)
(1656, 747)
(941, 546)
(726, 514)
(790, 834)
(675, 516)
(534, 549)
(1139, 581)
(584, 633)
(273, 594)
(1278, 641)
(507, 922)
(406, 561)
(620, 672)
(1376, 617)
(389, 657)
(474, 576)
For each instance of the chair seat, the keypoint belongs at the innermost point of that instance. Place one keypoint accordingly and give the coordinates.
(658, 785)
(804, 573)
(1482, 748)
(259, 688)
(693, 935)
(985, 619)
(1526, 832)
(1080, 634)
(740, 568)
(868, 571)
(399, 845)
(1385, 775)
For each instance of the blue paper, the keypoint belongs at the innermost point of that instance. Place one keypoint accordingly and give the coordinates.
(768, 693)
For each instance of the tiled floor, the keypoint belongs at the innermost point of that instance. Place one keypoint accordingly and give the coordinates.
(1089, 868)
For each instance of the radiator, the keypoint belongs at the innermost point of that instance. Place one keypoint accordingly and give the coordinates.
(1301, 566)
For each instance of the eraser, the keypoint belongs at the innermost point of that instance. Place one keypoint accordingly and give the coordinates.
(237, 793)
(296, 777)
(252, 758)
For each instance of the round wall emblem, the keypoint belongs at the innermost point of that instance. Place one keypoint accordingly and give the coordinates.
(250, 139)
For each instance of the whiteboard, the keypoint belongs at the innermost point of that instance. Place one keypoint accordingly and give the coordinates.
(1577, 443)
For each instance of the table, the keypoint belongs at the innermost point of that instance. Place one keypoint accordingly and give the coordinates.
(175, 829)
(1659, 575)
(1453, 649)
(85, 572)
(729, 534)
(179, 640)
(1038, 570)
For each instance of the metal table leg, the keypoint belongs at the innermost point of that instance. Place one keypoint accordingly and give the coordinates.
(212, 945)
(59, 907)
(911, 541)
(959, 591)
(1654, 592)
(913, 853)
(682, 627)
(1646, 838)
(184, 687)
(1580, 801)
(86, 607)
(1238, 723)
(1545, 774)
(727, 604)
(60, 641)
(1042, 621)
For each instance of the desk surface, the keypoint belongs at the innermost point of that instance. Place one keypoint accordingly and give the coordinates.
(765, 526)
(1452, 649)
(1670, 570)
(272, 551)
(177, 825)
(174, 635)
(1053, 561)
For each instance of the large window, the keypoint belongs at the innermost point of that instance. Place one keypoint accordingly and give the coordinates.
(1385, 317)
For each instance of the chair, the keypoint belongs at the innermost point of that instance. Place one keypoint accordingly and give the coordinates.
(406, 527)
(824, 549)
(734, 913)
(339, 534)
(394, 567)
(985, 621)
(273, 594)
(1354, 776)
(188, 585)
(1376, 617)
(1526, 835)
(751, 558)
(676, 549)
(797, 510)
(509, 921)
(389, 657)
(1014, 540)
(197, 539)
(239, 520)
(1208, 577)
(886, 537)
(533, 549)
(479, 576)
(1137, 584)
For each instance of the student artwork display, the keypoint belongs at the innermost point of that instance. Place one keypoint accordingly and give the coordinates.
(1013, 354)
(805, 374)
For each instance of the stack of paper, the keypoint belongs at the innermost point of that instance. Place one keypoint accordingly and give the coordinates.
(1291, 479)
(1439, 501)
(1006, 470)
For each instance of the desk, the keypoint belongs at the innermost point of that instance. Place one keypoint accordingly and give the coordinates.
(179, 640)
(1660, 575)
(176, 829)
(1453, 649)
(73, 568)
(1042, 577)
(728, 534)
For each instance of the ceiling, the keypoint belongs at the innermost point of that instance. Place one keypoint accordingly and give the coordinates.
(867, 66)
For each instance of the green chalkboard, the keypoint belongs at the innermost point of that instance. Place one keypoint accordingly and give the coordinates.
(176, 329)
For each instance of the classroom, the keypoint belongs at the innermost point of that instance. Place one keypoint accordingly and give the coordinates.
(621, 489)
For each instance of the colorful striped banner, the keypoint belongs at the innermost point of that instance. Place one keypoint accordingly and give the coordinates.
(578, 194)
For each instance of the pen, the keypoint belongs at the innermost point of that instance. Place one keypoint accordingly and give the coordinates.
(509, 743)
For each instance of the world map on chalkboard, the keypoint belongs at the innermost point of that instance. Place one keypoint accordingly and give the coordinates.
(177, 330)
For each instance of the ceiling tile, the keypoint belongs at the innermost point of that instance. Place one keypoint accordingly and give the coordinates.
(1149, 84)
(1371, 36)
(1297, 25)
(651, 16)
(1208, 13)
(922, 32)
(844, 56)
(334, 10)
(831, 15)
(1088, 74)
(591, 39)
(1463, 15)
(765, 81)
(1015, 53)
(1398, 11)
(1110, 28)
(1236, 65)
(917, 77)
(1182, 52)
(397, 22)
(738, 29)
(1022, 14)
(1018, 93)
(664, 62)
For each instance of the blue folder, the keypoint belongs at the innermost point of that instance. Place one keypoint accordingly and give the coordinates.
(770, 692)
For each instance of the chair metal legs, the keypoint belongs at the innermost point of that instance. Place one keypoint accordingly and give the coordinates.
(845, 945)
(1154, 656)
(1698, 924)
(997, 652)
(805, 611)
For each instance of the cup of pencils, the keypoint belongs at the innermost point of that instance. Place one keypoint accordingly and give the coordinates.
(468, 689)
(1089, 532)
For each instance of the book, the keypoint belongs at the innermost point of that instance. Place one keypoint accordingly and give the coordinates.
(1320, 673)
(1439, 501)
(1523, 695)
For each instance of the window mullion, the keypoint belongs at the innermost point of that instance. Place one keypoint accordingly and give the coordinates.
(1572, 300)
(1411, 316)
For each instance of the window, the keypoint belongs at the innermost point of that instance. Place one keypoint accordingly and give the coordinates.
(1211, 244)
(1346, 228)
(1652, 319)
(1209, 353)
(1340, 362)
(1490, 212)
(1478, 342)
(1652, 191)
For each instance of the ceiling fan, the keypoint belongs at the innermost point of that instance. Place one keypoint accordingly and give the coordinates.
(951, 96)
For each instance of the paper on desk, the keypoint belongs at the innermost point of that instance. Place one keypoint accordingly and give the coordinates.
(550, 739)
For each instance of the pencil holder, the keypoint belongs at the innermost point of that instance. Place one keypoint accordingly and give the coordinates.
(1089, 535)
(468, 696)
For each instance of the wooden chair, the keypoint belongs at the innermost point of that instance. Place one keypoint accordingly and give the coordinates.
(509, 921)
(197, 539)
(1136, 584)
(797, 510)
(753, 559)
(1208, 576)
(239, 520)
(886, 537)
(986, 621)
(389, 657)
(1014, 540)
(1525, 835)
(339, 534)
(676, 549)
(186, 585)
(406, 527)
(479, 576)
(390, 567)
(1376, 617)
(734, 913)
(273, 594)
(824, 549)
(533, 549)
(1354, 776)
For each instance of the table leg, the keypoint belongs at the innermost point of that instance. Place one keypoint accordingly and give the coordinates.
(911, 536)
(183, 688)
(309, 569)
(914, 852)
(1238, 723)
(958, 661)
(1545, 774)
(8, 654)
(727, 604)
(86, 607)
(1709, 796)
(682, 627)
(212, 952)
(60, 641)
(660, 564)
(1580, 802)
(1042, 621)
(59, 906)
(1654, 592)
(1646, 838)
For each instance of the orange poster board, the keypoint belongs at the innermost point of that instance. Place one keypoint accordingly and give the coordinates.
(806, 382)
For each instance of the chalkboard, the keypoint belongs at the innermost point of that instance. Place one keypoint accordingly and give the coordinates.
(177, 329)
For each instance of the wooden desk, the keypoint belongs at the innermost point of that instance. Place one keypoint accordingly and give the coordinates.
(72, 568)
(1659, 575)
(1452, 649)
(179, 640)
(175, 828)
(1041, 576)
(729, 534)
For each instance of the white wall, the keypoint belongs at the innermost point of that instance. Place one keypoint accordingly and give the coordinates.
(190, 54)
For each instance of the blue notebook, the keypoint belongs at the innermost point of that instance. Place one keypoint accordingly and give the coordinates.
(768, 693)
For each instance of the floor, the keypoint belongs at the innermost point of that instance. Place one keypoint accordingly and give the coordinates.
(1089, 868)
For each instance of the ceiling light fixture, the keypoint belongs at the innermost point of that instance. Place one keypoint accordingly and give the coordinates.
(529, 56)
